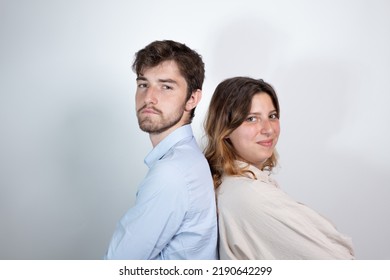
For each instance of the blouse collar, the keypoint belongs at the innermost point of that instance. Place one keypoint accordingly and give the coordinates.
(261, 175)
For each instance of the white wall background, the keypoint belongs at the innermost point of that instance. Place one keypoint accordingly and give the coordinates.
(71, 153)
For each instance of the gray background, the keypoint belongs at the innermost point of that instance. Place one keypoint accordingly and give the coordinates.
(71, 153)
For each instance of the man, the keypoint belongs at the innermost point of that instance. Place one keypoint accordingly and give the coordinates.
(174, 216)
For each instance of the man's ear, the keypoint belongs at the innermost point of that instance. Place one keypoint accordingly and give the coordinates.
(194, 99)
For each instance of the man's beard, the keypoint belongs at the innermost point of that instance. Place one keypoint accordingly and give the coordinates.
(160, 125)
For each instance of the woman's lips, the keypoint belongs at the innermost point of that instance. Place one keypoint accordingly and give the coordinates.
(266, 143)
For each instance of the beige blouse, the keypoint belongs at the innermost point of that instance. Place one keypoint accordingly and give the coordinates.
(257, 220)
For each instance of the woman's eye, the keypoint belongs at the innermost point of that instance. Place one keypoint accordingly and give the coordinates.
(251, 119)
(274, 116)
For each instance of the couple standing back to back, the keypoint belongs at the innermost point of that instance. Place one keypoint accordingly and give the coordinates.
(175, 216)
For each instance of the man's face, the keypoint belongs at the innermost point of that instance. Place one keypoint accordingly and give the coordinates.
(161, 98)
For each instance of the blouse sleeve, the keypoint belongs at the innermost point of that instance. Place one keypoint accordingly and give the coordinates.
(257, 220)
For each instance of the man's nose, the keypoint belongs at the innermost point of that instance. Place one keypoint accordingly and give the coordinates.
(151, 95)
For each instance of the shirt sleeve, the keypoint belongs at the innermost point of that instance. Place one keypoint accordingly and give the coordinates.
(161, 205)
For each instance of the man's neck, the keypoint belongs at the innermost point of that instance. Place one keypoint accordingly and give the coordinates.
(157, 138)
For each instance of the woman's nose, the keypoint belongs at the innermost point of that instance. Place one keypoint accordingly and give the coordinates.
(266, 127)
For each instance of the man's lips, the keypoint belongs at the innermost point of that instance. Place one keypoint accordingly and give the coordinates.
(148, 110)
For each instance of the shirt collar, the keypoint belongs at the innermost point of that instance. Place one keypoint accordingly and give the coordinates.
(167, 143)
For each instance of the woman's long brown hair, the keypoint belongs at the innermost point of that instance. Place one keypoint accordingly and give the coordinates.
(229, 107)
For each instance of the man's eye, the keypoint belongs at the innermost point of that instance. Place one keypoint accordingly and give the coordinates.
(142, 85)
(167, 87)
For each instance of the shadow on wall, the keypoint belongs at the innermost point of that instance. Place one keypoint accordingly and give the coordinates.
(315, 95)
(245, 47)
(76, 177)
(347, 188)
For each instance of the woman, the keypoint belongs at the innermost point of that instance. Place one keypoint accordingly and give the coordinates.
(257, 220)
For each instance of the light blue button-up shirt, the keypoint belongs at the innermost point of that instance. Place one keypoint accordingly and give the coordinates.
(174, 216)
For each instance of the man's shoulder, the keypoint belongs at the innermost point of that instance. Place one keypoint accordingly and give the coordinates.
(185, 152)
(183, 162)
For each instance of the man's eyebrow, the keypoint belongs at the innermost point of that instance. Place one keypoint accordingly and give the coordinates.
(141, 79)
(171, 81)
(167, 81)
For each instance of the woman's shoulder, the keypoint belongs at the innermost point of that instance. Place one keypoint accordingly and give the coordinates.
(241, 190)
(252, 177)
(255, 189)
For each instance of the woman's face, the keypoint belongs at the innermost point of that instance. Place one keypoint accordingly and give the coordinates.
(255, 139)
